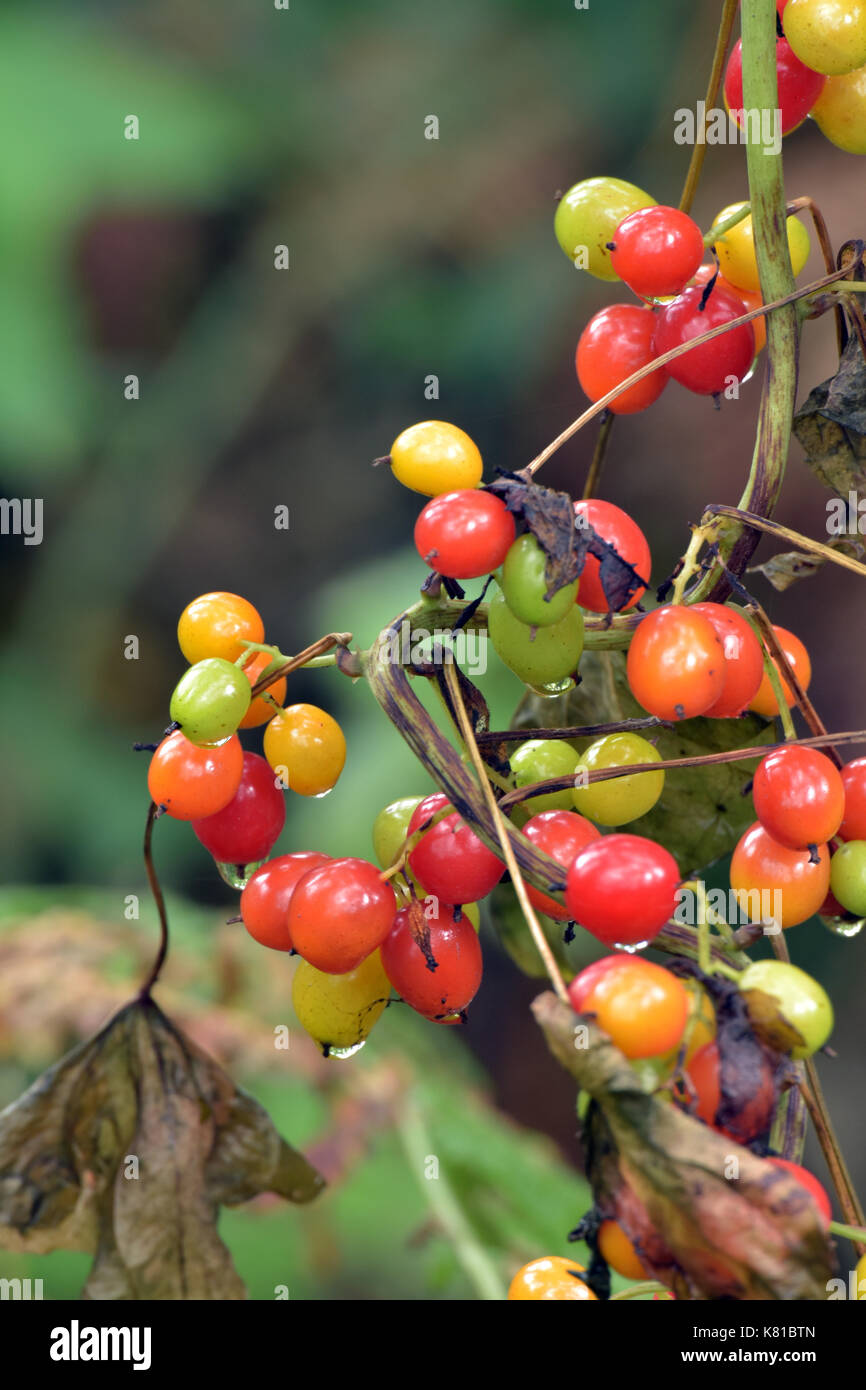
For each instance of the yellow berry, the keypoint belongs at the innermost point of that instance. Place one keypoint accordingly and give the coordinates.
(306, 747)
(434, 457)
(840, 111)
(736, 249)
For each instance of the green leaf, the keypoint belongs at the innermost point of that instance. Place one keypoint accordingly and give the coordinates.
(702, 811)
(831, 425)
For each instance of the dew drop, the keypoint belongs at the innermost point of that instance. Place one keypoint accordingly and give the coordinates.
(841, 926)
(318, 795)
(342, 1052)
(631, 947)
(553, 688)
(238, 875)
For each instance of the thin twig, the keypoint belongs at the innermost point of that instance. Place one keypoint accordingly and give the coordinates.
(714, 83)
(324, 644)
(156, 890)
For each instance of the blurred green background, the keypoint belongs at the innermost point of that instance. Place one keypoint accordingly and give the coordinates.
(260, 387)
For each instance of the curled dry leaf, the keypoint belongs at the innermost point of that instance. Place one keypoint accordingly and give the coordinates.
(792, 565)
(710, 1219)
(127, 1148)
(831, 425)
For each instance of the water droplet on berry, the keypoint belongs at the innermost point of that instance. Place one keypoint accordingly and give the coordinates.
(238, 875)
(630, 947)
(317, 796)
(842, 926)
(554, 688)
(343, 1052)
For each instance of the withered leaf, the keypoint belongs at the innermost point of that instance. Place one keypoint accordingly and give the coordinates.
(670, 1180)
(791, 565)
(126, 1148)
(768, 1021)
(831, 425)
(550, 517)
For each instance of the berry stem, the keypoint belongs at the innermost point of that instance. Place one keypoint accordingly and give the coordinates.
(593, 477)
(788, 1134)
(784, 533)
(647, 1286)
(857, 1234)
(304, 658)
(718, 229)
(502, 834)
(714, 84)
(156, 890)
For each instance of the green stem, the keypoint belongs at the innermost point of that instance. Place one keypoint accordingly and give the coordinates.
(857, 1233)
(718, 229)
(439, 1195)
(639, 1290)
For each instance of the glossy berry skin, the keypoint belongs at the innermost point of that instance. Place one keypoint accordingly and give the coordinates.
(799, 797)
(790, 886)
(616, 527)
(339, 913)
(615, 1247)
(247, 828)
(848, 877)
(562, 835)
(454, 946)
(765, 701)
(735, 249)
(261, 711)
(525, 587)
(853, 825)
(210, 700)
(538, 656)
(811, 1184)
(798, 86)
(587, 217)
(217, 624)
(751, 300)
(616, 342)
(828, 35)
(708, 369)
(338, 1011)
(756, 1115)
(464, 534)
(391, 827)
(266, 897)
(676, 663)
(622, 889)
(744, 659)
(191, 782)
(538, 759)
(550, 1277)
(306, 748)
(840, 111)
(700, 1029)
(642, 1007)
(657, 251)
(801, 1000)
(434, 457)
(452, 863)
(622, 799)
(429, 811)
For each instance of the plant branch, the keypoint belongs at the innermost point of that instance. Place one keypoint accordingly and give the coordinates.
(714, 83)
(156, 890)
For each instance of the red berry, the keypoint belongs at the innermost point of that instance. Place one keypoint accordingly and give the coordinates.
(799, 87)
(616, 342)
(676, 663)
(452, 864)
(703, 1071)
(562, 835)
(266, 897)
(744, 659)
(340, 913)
(708, 369)
(465, 534)
(657, 250)
(811, 1184)
(428, 810)
(799, 797)
(616, 527)
(454, 949)
(247, 829)
(853, 825)
(190, 781)
(622, 889)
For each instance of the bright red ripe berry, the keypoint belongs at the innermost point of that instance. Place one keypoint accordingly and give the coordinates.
(464, 534)
(703, 1072)
(190, 781)
(562, 835)
(657, 250)
(266, 897)
(616, 342)
(454, 948)
(427, 810)
(799, 797)
(744, 659)
(452, 864)
(339, 913)
(708, 369)
(853, 825)
(622, 889)
(676, 663)
(246, 829)
(616, 527)
(811, 1184)
(799, 87)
